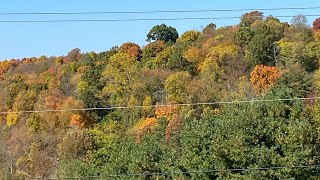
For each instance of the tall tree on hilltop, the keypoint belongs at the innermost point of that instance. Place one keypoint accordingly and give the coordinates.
(252, 16)
(132, 49)
(261, 46)
(164, 33)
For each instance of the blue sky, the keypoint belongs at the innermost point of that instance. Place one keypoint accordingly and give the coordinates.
(18, 40)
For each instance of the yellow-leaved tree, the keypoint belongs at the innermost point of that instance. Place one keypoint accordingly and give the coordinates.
(176, 86)
(120, 75)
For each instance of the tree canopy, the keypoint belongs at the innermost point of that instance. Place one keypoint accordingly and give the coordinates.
(233, 102)
(164, 33)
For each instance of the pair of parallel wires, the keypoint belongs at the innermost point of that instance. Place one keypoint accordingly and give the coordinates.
(2, 14)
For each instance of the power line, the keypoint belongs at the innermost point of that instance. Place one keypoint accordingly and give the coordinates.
(140, 19)
(194, 172)
(113, 20)
(157, 11)
(160, 105)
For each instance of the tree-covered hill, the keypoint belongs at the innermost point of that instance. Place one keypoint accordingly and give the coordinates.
(177, 108)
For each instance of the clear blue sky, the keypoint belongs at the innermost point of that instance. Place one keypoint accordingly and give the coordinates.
(18, 40)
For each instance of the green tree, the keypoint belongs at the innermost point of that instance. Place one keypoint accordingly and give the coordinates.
(244, 35)
(89, 89)
(261, 46)
(312, 56)
(297, 79)
(104, 56)
(17, 84)
(176, 61)
(195, 146)
(75, 168)
(111, 149)
(164, 33)
(265, 135)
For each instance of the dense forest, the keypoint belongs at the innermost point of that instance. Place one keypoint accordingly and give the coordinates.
(234, 102)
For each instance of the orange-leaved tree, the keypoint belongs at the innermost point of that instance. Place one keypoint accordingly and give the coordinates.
(132, 49)
(165, 111)
(144, 126)
(263, 77)
(81, 120)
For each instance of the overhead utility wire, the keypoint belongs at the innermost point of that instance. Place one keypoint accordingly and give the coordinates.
(193, 172)
(163, 105)
(138, 19)
(157, 11)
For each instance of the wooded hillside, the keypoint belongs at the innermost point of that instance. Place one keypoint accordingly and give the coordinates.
(174, 105)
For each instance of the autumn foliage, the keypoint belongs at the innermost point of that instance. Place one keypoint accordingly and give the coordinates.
(165, 111)
(173, 126)
(5, 66)
(144, 126)
(132, 49)
(77, 120)
(316, 24)
(263, 77)
(171, 105)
